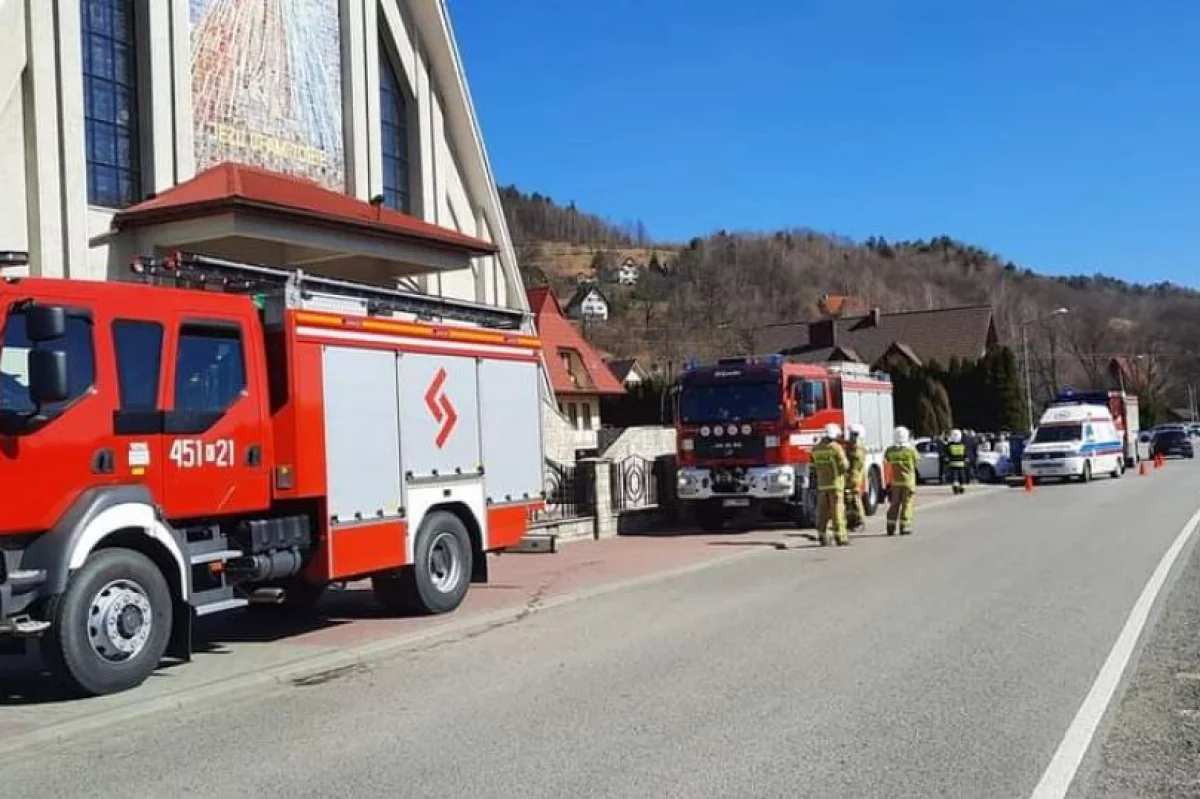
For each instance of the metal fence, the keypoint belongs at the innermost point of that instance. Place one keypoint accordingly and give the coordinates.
(569, 493)
(634, 483)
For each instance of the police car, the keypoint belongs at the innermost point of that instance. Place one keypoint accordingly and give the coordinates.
(1076, 441)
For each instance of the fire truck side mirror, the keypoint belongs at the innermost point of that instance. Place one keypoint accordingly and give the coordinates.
(47, 376)
(45, 323)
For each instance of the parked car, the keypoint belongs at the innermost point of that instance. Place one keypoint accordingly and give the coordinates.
(1174, 443)
(929, 466)
(991, 466)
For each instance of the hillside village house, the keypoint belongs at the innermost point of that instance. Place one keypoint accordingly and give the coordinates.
(587, 303)
(627, 371)
(578, 375)
(629, 271)
(918, 336)
(126, 128)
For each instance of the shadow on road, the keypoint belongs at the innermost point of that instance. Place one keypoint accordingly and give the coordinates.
(25, 679)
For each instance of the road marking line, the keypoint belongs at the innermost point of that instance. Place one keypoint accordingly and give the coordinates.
(1057, 778)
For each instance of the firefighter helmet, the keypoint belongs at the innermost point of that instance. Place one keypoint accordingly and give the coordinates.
(833, 432)
(901, 436)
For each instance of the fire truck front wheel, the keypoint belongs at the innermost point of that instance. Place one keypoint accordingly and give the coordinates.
(110, 629)
(440, 576)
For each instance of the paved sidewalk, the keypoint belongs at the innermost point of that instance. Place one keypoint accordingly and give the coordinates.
(250, 650)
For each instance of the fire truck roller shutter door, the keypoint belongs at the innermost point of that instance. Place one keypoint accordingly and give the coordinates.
(362, 434)
(440, 432)
(439, 416)
(851, 407)
(363, 461)
(97, 514)
(510, 431)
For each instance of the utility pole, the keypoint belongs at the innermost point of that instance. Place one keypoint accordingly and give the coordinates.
(1025, 360)
(1025, 369)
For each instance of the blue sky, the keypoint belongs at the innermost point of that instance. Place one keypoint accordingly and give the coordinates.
(1063, 135)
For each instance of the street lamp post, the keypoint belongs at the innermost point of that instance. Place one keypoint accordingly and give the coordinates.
(1025, 360)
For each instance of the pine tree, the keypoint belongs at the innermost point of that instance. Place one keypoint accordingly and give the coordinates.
(1003, 384)
(927, 421)
(941, 405)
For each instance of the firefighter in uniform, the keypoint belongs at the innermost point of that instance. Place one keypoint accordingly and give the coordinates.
(831, 464)
(902, 459)
(856, 454)
(956, 456)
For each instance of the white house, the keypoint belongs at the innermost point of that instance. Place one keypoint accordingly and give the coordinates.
(588, 303)
(629, 271)
(123, 125)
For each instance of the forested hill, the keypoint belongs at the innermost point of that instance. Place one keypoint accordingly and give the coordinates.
(717, 291)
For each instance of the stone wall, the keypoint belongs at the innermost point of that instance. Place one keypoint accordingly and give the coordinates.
(617, 444)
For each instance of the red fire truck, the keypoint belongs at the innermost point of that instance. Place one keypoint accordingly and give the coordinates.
(746, 428)
(231, 434)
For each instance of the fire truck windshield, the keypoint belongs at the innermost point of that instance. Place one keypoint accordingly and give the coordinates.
(731, 402)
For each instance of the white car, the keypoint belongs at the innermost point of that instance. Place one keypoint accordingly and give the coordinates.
(929, 466)
(989, 464)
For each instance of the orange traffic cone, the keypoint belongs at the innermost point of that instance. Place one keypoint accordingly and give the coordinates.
(1029, 482)
(1142, 468)
(1159, 461)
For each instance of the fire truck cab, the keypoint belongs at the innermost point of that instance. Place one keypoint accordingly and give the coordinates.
(229, 435)
(746, 427)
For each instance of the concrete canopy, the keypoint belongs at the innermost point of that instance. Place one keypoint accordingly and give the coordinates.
(250, 214)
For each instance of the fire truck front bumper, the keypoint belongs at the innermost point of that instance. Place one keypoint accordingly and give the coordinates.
(754, 482)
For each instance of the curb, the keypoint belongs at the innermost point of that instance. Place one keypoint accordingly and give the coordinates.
(350, 659)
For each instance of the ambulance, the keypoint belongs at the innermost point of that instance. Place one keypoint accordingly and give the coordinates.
(1075, 441)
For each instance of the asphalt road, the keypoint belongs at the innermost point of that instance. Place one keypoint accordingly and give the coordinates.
(947, 664)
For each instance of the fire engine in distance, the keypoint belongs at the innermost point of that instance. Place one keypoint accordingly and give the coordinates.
(746, 427)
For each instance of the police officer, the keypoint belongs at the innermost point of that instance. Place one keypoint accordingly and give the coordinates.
(902, 459)
(856, 454)
(956, 455)
(831, 464)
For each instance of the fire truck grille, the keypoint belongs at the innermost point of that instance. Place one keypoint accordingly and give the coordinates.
(730, 447)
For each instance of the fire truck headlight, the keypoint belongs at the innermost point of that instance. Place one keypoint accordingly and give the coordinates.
(746, 429)
(771, 441)
(732, 430)
(687, 445)
(705, 431)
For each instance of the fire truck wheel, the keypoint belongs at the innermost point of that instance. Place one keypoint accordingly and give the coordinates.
(873, 493)
(440, 576)
(110, 629)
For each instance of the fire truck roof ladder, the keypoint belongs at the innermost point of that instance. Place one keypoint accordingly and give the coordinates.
(305, 290)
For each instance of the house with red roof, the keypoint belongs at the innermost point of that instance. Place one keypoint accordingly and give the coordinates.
(578, 375)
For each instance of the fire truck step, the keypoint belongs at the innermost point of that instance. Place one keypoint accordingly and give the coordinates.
(222, 605)
(25, 627)
(268, 596)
